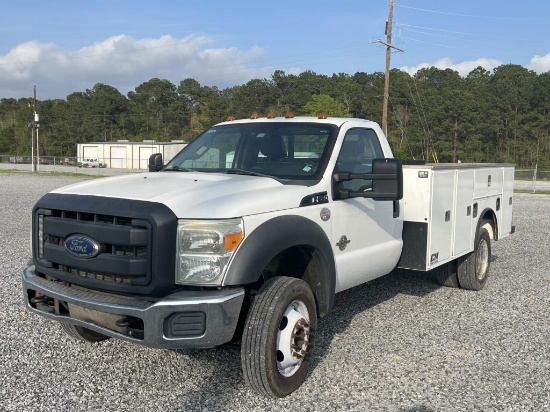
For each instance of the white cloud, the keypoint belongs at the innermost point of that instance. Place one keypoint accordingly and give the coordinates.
(124, 62)
(540, 64)
(463, 68)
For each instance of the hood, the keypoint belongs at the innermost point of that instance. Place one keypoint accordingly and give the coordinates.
(198, 195)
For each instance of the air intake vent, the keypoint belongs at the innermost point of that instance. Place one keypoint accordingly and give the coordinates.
(314, 199)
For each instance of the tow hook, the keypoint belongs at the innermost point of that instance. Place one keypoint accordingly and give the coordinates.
(133, 328)
(123, 323)
(41, 299)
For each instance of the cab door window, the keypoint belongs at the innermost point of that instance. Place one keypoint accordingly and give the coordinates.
(359, 148)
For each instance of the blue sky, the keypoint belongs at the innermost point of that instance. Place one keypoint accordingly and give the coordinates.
(64, 46)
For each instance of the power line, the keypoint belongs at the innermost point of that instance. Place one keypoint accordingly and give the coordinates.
(441, 33)
(487, 39)
(472, 15)
(440, 36)
(406, 27)
(431, 43)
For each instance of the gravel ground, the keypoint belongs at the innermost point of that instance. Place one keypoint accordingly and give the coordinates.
(399, 343)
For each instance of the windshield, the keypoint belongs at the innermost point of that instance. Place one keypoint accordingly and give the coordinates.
(285, 151)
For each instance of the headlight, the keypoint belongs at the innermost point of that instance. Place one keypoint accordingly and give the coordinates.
(204, 249)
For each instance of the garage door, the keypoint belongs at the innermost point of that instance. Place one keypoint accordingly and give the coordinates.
(144, 153)
(118, 157)
(90, 152)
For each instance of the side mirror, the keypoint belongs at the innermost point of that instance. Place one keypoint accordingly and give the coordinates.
(155, 162)
(388, 181)
(386, 177)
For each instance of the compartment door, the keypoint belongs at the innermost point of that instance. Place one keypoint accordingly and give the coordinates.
(463, 220)
(441, 219)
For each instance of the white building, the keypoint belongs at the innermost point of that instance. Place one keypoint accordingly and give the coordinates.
(124, 154)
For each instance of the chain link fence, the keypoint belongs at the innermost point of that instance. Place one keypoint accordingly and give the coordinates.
(60, 164)
(532, 179)
(525, 179)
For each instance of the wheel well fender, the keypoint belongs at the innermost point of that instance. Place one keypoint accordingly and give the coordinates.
(488, 215)
(274, 237)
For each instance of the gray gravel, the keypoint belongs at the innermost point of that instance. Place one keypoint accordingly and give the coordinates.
(400, 343)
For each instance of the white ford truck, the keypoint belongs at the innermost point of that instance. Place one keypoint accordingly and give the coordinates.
(248, 233)
(90, 163)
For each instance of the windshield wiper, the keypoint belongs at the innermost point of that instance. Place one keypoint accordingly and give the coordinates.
(178, 169)
(247, 173)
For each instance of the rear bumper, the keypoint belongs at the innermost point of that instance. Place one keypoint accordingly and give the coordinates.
(185, 319)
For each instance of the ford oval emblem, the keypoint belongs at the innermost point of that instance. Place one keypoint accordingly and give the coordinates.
(82, 246)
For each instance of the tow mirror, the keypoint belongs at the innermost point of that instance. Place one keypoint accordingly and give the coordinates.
(386, 177)
(155, 162)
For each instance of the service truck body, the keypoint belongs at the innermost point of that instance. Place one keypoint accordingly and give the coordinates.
(441, 208)
(248, 233)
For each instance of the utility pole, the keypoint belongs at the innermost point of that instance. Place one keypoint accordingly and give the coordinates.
(34, 124)
(389, 46)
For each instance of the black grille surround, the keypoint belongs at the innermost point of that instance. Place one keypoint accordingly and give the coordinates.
(137, 241)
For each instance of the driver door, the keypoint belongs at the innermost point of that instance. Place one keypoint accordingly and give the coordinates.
(366, 236)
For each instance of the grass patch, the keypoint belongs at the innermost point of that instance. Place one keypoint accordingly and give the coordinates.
(536, 192)
(49, 174)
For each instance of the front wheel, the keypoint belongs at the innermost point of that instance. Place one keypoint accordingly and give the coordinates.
(277, 341)
(473, 269)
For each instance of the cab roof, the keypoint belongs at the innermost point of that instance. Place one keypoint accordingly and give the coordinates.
(337, 121)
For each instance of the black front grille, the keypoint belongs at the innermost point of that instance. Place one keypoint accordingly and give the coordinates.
(93, 217)
(124, 245)
(99, 276)
(132, 247)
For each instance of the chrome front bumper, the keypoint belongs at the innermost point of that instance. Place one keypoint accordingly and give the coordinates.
(185, 319)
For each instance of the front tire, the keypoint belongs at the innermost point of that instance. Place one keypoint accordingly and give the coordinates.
(82, 333)
(473, 269)
(277, 341)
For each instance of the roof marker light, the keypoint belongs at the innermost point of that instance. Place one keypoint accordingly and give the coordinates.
(230, 118)
(289, 115)
(255, 116)
(271, 115)
(322, 116)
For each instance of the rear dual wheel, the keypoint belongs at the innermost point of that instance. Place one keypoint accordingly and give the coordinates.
(446, 275)
(472, 270)
(277, 339)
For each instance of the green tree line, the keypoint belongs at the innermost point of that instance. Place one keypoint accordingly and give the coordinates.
(498, 116)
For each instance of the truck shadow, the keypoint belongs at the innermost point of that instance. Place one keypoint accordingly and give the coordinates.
(365, 297)
(216, 376)
(359, 299)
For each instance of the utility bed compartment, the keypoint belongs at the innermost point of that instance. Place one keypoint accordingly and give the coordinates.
(442, 205)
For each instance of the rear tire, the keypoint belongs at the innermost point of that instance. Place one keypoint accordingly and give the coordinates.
(277, 341)
(82, 333)
(446, 275)
(473, 269)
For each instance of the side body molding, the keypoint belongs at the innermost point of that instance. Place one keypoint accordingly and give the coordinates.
(277, 235)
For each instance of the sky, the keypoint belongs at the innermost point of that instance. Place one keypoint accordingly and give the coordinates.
(66, 46)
